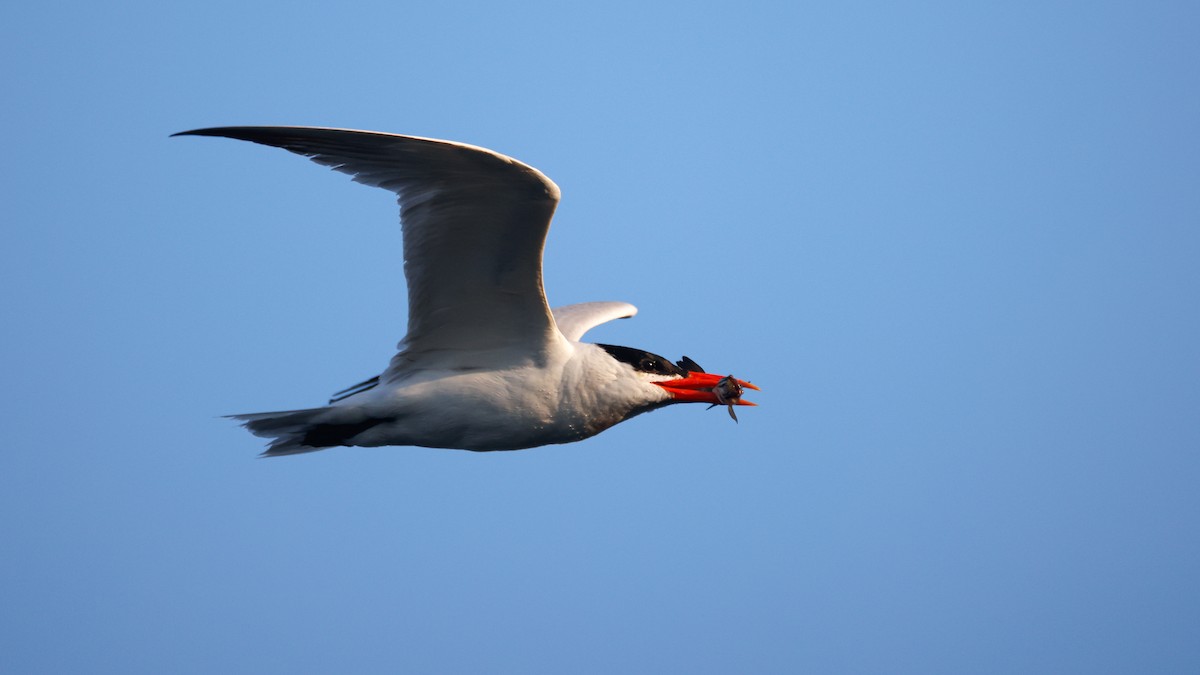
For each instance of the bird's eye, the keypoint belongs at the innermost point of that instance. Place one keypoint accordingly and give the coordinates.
(643, 361)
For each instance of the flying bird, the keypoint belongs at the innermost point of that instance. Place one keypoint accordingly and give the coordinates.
(486, 364)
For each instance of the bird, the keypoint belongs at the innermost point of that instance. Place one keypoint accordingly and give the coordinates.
(486, 364)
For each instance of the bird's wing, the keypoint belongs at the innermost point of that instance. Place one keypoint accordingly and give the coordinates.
(474, 224)
(575, 320)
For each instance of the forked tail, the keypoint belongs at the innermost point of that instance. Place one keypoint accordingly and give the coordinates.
(297, 431)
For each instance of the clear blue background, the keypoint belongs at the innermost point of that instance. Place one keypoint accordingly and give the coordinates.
(957, 246)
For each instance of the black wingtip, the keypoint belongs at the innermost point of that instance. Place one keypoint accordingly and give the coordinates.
(192, 132)
(280, 137)
(208, 131)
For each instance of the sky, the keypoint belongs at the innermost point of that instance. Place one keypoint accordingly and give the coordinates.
(956, 245)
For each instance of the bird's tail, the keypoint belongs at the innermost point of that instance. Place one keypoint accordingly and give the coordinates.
(297, 431)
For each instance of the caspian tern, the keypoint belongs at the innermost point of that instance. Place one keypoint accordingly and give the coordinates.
(486, 364)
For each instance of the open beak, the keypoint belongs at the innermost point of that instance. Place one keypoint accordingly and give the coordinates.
(698, 388)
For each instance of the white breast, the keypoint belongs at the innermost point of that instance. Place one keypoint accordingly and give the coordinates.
(571, 397)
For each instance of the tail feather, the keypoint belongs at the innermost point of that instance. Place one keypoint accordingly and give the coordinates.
(298, 431)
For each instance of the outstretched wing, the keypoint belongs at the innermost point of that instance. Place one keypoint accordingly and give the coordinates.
(474, 225)
(575, 320)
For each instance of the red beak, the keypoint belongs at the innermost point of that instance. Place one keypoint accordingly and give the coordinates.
(698, 388)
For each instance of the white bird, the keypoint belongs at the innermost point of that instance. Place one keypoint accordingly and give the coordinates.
(486, 364)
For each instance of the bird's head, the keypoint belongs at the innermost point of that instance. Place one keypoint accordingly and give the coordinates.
(683, 381)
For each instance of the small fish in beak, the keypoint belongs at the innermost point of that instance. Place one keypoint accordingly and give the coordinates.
(701, 387)
(728, 392)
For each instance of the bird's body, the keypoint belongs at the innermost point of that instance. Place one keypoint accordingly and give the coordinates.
(486, 365)
(571, 395)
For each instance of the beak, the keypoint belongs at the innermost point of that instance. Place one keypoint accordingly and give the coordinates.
(698, 388)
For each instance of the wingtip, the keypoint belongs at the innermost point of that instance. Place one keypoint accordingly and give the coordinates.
(208, 131)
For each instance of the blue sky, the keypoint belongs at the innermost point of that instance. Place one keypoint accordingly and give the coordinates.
(956, 245)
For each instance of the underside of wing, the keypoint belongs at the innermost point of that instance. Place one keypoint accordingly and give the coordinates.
(474, 222)
(575, 320)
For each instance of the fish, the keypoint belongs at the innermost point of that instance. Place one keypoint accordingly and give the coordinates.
(727, 391)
